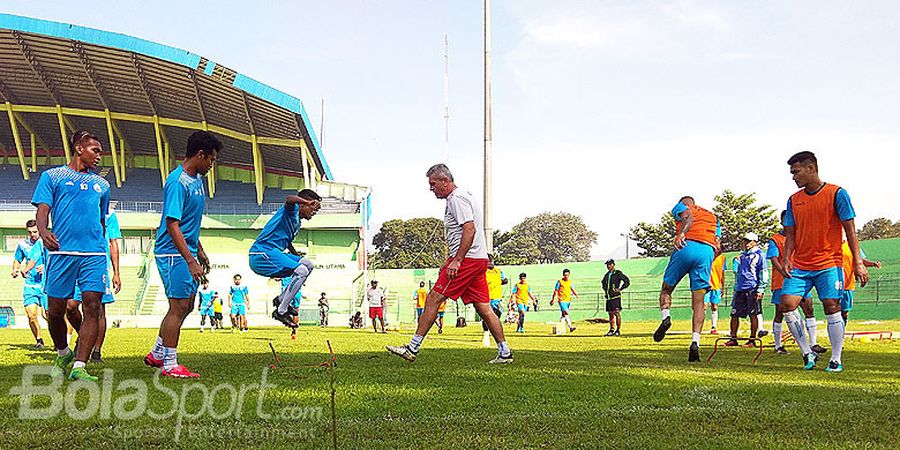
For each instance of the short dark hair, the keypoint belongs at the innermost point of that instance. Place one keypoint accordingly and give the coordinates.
(686, 197)
(565, 271)
(31, 223)
(421, 284)
(309, 194)
(202, 141)
(80, 136)
(237, 275)
(804, 157)
(522, 275)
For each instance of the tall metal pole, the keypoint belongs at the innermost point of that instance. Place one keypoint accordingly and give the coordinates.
(488, 230)
(446, 100)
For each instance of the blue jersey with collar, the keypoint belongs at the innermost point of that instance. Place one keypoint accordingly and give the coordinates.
(279, 231)
(38, 254)
(239, 294)
(184, 201)
(78, 204)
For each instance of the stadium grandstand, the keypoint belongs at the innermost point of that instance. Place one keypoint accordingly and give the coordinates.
(143, 99)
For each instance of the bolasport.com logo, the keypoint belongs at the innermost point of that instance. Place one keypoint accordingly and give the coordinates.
(42, 398)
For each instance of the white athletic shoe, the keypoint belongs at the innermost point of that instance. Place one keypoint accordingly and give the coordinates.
(500, 359)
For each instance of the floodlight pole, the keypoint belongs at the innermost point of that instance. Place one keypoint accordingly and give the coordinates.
(488, 231)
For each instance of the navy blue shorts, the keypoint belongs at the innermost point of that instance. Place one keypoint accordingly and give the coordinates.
(745, 304)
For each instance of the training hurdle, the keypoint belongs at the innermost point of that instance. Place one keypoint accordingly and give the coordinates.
(331, 362)
(757, 341)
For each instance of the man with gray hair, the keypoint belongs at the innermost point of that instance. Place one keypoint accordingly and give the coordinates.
(463, 276)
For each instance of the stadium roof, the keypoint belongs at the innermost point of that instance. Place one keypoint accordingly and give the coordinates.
(56, 77)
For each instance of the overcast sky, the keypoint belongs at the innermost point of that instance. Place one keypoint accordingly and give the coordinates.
(607, 109)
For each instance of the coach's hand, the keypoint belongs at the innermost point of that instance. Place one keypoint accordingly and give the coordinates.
(679, 241)
(453, 268)
(50, 241)
(862, 274)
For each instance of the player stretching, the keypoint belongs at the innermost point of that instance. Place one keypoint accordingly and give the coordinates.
(521, 294)
(267, 254)
(113, 281)
(563, 291)
(238, 301)
(207, 297)
(812, 254)
(463, 276)
(773, 254)
(419, 297)
(180, 258)
(76, 200)
(697, 237)
(495, 280)
(850, 282)
(29, 261)
(714, 296)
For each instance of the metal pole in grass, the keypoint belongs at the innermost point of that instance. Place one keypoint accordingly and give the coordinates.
(331, 365)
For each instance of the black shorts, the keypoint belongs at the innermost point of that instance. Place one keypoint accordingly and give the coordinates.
(218, 316)
(745, 304)
(614, 304)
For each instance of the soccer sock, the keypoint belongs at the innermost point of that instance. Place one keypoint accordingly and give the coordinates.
(170, 357)
(776, 333)
(811, 330)
(158, 349)
(759, 320)
(415, 343)
(503, 348)
(836, 335)
(78, 364)
(715, 318)
(665, 313)
(63, 352)
(695, 338)
(300, 274)
(569, 321)
(796, 329)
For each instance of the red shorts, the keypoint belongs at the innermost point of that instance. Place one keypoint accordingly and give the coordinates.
(470, 284)
(376, 312)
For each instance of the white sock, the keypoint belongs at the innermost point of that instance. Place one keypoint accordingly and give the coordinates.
(836, 335)
(63, 352)
(415, 343)
(665, 313)
(715, 318)
(503, 348)
(170, 357)
(793, 323)
(301, 273)
(569, 321)
(78, 364)
(158, 349)
(776, 333)
(811, 330)
(695, 337)
(759, 320)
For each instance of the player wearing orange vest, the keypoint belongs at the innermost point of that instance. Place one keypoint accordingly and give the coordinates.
(521, 294)
(850, 285)
(773, 254)
(563, 291)
(697, 239)
(815, 216)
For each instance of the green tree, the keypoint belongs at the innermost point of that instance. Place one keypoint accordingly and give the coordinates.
(655, 239)
(547, 238)
(879, 228)
(407, 244)
(739, 215)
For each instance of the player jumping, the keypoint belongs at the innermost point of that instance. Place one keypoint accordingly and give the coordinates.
(812, 254)
(180, 258)
(697, 239)
(463, 276)
(76, 200)
(267, 254)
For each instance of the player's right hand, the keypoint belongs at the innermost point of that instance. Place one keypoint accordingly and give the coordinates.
(50, 241)
(196, 270)
(787, 267)
(680, 241)
(14, 273)
(862, 274)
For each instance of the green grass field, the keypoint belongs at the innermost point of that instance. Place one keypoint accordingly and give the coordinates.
(573, 391)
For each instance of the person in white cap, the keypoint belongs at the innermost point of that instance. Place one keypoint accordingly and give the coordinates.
(750, 284)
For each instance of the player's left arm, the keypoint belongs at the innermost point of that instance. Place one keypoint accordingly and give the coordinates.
(844, 209)
(555, 292)
(687, 219)
(202, 258)
(114, 258)
(626, 282)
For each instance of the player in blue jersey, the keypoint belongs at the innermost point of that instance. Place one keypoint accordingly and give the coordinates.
(114, 281)
(180, 258)
(29, 262)
(207, 296)
(267, 254)
(238, 301)
(76, 200)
